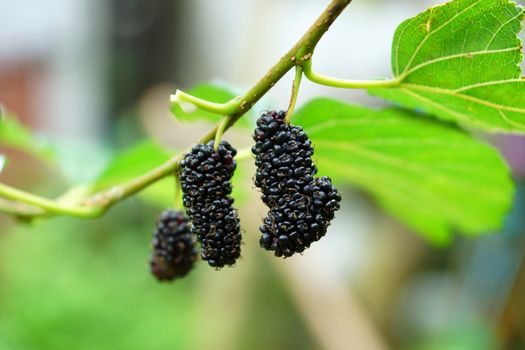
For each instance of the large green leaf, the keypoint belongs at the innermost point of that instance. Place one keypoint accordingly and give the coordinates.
(430, 175)
(213, 92)
(461, 61)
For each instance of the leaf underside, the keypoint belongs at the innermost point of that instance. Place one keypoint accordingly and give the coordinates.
(461, 62)
(430, 175)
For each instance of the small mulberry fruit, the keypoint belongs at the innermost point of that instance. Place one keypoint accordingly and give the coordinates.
(174, 249)
(206, 184)
(301, 205)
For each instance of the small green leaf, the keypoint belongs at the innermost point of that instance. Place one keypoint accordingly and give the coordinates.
(16, 136)
(132, 163)
(461, 62)
(213, 92)
(430, 175)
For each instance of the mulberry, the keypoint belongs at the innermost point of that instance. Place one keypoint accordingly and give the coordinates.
(301, 205)
(206, 185)
(174, 250)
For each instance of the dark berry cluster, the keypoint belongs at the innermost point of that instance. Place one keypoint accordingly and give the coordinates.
(174, 249)
(301, 205)
(206, 185)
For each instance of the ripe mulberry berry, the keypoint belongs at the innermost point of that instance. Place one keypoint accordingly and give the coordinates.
(206, 184)
(174, 249)
(301, 205)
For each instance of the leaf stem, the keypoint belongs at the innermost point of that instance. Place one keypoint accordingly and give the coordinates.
(218, 108)
(295, 92)
(343, 83)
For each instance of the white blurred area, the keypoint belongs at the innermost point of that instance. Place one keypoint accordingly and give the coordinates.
(56, 53)
(238, 41)
(54, 60)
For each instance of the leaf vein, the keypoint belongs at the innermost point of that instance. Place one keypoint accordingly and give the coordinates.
(459, 55)
(503, 25)
(430, 33)
(464, 97)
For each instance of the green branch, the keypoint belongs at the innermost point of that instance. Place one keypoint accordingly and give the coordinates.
(19, 209)
(47, 205)
(97, 204)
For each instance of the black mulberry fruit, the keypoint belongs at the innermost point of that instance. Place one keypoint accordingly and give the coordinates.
(206, 184)
(174, 249)
(301, 205)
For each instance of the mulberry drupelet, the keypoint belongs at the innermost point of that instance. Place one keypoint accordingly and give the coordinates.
(301, 205)
(174, 249)
(206, 183)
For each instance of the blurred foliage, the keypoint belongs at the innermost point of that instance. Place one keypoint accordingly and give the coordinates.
(271, 324)
(85, 286)
(466, 336)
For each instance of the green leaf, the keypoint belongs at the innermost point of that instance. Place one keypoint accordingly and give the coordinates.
(461, 62)
(430, 175)
(16, 136)
(131, 163)
(214, 92)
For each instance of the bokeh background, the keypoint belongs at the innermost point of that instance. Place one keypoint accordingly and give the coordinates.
(92, 78)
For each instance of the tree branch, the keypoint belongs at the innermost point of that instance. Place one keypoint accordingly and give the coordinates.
(97, 204)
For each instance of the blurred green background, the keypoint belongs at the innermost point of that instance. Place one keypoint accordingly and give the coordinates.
(93, 78)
